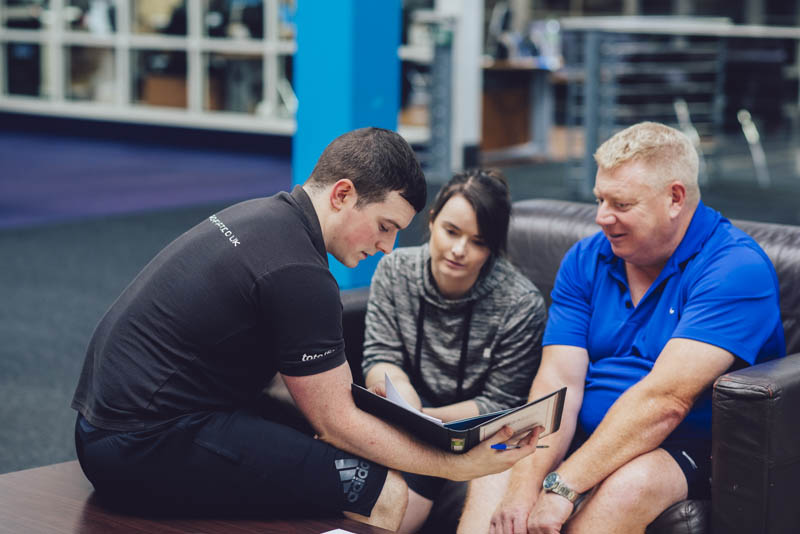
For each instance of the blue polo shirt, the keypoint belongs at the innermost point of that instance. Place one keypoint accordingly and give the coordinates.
(718, 287)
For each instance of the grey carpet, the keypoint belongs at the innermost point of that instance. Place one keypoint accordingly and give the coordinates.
(56, 282)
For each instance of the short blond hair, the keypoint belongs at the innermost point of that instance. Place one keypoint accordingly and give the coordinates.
(658, 145)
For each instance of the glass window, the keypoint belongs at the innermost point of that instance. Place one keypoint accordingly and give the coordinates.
(24, 14)
(90, 74)
(286, 96)
(24, 69)
(98, 18)
(238, 19)
(235, 82)
(166, 17)
(286, 26)
(159, 78)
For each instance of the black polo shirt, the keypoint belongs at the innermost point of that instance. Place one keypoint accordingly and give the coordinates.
(208, 322)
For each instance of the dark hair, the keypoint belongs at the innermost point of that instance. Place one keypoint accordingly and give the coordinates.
(377, 161)
(487, 192)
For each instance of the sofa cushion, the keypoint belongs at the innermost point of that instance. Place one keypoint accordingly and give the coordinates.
(685, 517)
(541, 233)
(781, 242)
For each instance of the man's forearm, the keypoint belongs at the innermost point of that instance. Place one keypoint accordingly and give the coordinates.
(561, 366)
(648, 411)
(398, 450)
(326, 401)
(387, 445)
(637, 423)
(528, 474)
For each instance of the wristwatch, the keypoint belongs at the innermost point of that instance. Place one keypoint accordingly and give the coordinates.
(553, 483)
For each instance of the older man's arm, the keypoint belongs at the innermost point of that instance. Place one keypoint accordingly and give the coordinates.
(488, 506)
(637, 423)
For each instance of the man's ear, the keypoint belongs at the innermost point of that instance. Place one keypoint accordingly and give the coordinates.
(677, 193)
(343, 193)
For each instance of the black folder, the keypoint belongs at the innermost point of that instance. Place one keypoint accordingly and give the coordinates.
(461, 435)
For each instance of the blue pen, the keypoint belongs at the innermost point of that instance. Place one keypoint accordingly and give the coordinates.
(504, 447)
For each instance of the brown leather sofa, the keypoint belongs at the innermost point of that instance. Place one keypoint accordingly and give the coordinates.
(756, 410)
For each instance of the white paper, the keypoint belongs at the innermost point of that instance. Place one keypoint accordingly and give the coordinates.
(338, 531)
(393, 395)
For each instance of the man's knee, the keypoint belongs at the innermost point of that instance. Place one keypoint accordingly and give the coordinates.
(632, 497)
(391, 505)
(645, 486)
(654, 476)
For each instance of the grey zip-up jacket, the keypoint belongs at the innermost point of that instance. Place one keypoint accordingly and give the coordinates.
(504, 334)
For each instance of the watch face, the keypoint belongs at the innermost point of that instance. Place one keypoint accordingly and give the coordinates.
(550, 481)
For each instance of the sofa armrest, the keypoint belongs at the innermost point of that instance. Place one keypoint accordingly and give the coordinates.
(756, 449)
(354, 310)
(684, 517)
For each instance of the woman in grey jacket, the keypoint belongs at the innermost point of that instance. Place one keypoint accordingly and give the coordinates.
(455, 326)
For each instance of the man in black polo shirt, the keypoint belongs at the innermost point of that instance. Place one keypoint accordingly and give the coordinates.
(168, 397)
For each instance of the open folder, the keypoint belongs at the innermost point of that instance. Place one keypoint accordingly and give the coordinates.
(461, 435)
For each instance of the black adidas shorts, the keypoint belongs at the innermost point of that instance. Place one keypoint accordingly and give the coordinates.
(237, 462)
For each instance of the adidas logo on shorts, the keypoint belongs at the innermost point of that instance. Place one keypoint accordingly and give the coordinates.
(353, 475)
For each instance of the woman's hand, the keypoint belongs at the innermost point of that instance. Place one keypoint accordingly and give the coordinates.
(375, 382)
(378, 388)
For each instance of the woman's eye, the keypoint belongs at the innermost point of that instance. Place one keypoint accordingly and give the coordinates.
(383, 228)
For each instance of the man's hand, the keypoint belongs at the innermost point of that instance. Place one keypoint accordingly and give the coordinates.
(549, 514)
(482, 460)
(511, 515)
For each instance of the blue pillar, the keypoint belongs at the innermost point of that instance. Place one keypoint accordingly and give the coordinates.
(346, 76)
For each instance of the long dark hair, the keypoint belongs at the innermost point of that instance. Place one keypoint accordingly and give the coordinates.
(487, 192)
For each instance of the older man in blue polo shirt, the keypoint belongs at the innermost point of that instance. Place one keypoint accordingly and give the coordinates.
(646, 314)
